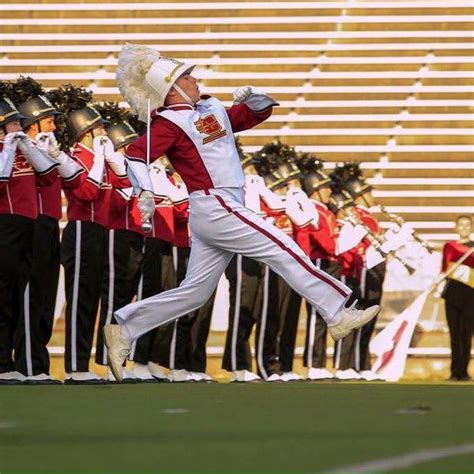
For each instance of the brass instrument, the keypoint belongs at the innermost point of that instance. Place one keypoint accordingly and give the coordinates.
(400, 221)
(376, 240)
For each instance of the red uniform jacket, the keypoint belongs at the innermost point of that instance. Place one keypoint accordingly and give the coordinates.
(124, 213)
(18, 193)
(323, 238)
(453, 251)
(91, 201)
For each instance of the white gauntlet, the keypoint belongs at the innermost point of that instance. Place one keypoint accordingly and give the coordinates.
(255, 99)
(146, 204)
(138, 175)
(7, 155)
(38, 157)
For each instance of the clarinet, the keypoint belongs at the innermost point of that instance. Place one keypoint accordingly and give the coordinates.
(400, 221)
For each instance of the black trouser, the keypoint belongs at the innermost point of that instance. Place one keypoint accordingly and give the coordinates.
(83, 251)
(158, 274)
(371, 294)
(123, 267)
(245, 277)
(345, 349)
(278, 328)
(459, 304)
(316, 328)
(36, 326)
(182, 343)
(16, 237)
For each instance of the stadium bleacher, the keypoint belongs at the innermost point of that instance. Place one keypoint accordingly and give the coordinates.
(389, 84)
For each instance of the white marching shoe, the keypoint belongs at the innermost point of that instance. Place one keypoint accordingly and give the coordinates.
(290, 377)
(83, 378)
(244, 376)
(348, 374)
(180, 376)
(42, 379)
(201, 377)
(319, 374)
(12, 378)
(118, 348)
(141, 373)
(157, 372)
(127, 376)
(352, 318)
(371, 376)
(273, 378)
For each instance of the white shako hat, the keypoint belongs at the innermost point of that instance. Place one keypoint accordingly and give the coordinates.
(143, 73)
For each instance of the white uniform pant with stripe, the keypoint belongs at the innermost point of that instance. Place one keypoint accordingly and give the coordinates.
(220, 227)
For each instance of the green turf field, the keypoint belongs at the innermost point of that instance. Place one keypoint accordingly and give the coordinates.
(221, 428)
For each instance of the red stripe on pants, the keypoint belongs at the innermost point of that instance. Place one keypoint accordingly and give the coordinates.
(281, 245)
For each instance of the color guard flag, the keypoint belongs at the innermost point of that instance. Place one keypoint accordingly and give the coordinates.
(391, 344)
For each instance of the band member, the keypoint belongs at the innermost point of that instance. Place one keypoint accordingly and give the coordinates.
(84, 242)
(459, 298)
(123, 265)
(351, 263)
(322, 248)
(196, 133)
(23, 167)
(36, 326)
(371, 279)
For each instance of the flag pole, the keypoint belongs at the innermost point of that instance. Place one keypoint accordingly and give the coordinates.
(147, 226)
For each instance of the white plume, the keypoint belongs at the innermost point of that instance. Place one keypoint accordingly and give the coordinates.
(134, 62)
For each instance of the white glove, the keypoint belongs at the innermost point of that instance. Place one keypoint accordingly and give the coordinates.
(255, 99)
(115, 159)
(146, 204)
(241, 94)
(11, 140)
(96, 173)
(99, 144)
(108, 147)
(47, 142)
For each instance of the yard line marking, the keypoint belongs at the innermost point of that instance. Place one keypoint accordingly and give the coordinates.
(406, 460)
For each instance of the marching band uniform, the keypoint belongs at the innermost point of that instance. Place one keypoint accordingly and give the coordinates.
(22, 169)
(84, 243)
(371, 287)
(36, 326)
(459, 302)
(322, 250)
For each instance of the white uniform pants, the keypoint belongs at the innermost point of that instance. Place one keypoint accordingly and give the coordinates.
(220, 227)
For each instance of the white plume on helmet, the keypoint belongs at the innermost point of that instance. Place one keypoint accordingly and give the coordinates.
(143, 73)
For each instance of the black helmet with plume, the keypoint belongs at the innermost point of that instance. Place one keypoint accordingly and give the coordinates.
(276, 162)
(8, 111)
(31, 99)
(79, 114)
(352, 179)
(340, 197)
(119, 129)
(314, 176)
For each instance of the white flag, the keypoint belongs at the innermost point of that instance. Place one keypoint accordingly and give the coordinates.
(391, 344)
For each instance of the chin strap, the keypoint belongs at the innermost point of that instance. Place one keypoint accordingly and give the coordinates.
(183, 94)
